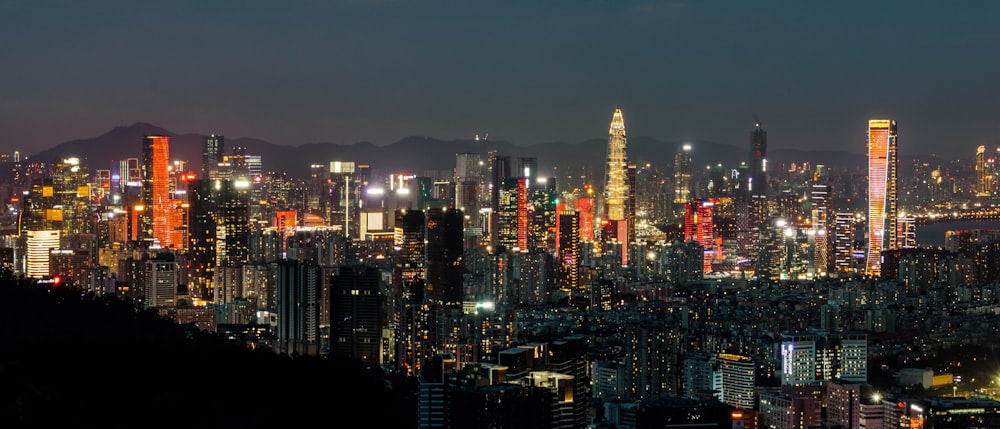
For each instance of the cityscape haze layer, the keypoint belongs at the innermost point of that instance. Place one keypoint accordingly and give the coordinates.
(524, 72)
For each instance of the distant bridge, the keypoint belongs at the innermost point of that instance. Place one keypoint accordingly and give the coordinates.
(986, 213)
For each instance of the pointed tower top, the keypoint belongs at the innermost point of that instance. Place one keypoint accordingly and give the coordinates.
(617, 123)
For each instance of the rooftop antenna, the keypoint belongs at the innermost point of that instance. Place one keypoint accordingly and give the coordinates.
(756, 120)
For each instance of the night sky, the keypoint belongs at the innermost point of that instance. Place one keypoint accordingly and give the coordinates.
(526, 72)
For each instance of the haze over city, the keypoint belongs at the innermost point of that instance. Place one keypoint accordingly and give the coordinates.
(524, 72)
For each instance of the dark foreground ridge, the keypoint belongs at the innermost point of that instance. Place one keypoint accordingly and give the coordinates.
(73, 360)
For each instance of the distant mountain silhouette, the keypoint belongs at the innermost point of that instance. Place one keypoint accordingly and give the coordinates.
(420, 154)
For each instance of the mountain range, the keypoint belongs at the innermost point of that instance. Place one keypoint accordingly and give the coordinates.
(421, 155)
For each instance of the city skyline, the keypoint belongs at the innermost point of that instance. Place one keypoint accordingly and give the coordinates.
(380, 71)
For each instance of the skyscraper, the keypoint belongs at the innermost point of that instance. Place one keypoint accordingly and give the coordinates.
(410, 269)
(985, 172)
(821, 199)
(615, 186)
(882, 214)
(160, 211)
(619, 195)
(682, 179)
(568, 250)
(356, 313)
(843, 242)
(758, 161)
(751, 200)
(444, 247)
(507, 214)
(699, 227)
(212, 150)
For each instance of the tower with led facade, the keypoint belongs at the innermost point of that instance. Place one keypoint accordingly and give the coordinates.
(159, 219)
(619, 200)
(882, 213)
(615, 186)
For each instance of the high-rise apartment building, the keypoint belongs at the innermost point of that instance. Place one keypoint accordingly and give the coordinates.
(821, 200)
(738, 380)
(568, 250)
(810, 358)
(298, 308)
(843, 242)
(39, 245)
(161, 281)
(882, 197)
(356, 313)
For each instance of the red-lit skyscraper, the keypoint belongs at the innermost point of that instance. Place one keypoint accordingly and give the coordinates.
(698, 227)
(586, 208)
(160, 211)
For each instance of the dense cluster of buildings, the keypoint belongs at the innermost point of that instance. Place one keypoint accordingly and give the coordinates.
(664, 296)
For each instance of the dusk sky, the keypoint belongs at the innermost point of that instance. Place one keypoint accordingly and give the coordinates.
(526, 72)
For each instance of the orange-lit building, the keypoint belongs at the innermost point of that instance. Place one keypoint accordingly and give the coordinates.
(160, 207)
(882, 213)
(285, 222)
(586, 208)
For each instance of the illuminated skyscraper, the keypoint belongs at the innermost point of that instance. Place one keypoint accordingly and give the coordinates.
(568, 250)
(682, 178)
(615, 186)
(410, 269)
(821, 199)
(40, 243)
(699, 227)
(843, 242)
(619, 196)
(507, 213)
(882, 214)
(156, 182)
(985, 172)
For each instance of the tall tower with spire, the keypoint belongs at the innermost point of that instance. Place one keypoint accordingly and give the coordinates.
(615, 185)
(619, 200)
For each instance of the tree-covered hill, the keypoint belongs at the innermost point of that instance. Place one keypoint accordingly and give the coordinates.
(73, 360)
